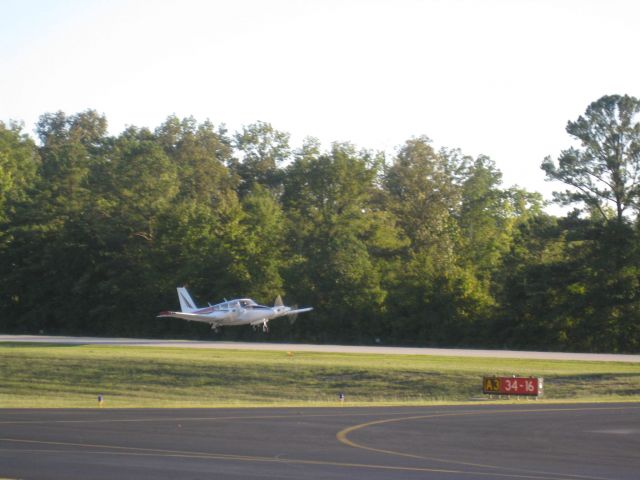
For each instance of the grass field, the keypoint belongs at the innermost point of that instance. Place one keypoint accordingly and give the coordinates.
(57, 376)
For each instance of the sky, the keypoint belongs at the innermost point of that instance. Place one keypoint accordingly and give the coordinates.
(495, 77)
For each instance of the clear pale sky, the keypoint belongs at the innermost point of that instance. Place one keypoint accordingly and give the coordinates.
(494, 77)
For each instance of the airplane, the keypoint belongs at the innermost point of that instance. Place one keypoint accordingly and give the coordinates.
(241, 311)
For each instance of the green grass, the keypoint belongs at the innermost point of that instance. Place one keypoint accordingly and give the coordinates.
(73, 376)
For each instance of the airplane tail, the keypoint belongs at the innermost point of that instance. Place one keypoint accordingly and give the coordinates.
(186, 302)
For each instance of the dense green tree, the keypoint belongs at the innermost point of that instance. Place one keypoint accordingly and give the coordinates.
(326, 197)
(605, 177)
(201, 239)
(69, 147)
(539, 281)
(47, 252)
(200, 153)
(424, 196)
(262, 151)
(19, 164)
(439, 298)
(202, 248)
(485, 219)
(571, 284)
(96, 231)
(19, 161)
(605, 171)
(609, 265)
(141, 184)
(264, 230)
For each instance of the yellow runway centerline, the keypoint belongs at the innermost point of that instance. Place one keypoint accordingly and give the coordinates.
(471, 470)
(136, 451)
(342, 437)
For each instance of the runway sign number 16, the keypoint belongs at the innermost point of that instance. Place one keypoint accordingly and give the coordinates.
(512, 386)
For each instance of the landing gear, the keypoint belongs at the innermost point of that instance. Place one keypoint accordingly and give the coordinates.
(264, 323)
(214, 328)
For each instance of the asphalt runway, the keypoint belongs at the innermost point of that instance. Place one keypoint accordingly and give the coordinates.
(527, 441)
(298, 347)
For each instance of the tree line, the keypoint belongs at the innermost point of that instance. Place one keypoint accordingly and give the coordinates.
(422, 247)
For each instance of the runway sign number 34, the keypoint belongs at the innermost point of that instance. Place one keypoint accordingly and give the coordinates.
(531, 386)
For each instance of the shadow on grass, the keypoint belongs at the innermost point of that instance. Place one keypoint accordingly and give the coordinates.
(565, 386)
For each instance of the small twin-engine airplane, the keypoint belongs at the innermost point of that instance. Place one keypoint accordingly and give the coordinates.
(242, 311)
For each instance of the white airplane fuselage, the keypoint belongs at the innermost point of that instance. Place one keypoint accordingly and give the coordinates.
(242, 311)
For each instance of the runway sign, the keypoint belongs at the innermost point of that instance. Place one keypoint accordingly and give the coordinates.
(530, 386)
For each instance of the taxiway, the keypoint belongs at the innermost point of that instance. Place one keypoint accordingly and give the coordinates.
(529, 441)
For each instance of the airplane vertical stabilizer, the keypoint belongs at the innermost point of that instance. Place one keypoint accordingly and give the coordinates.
(186, 302)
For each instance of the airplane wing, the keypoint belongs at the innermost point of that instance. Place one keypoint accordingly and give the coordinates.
(294, 312)
(300, 310)
(195, 317)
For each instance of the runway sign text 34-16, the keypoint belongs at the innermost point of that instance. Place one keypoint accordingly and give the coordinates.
(512, 386)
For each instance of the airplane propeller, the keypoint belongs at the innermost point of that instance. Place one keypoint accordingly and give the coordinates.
(293, 316)
(280, 303)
